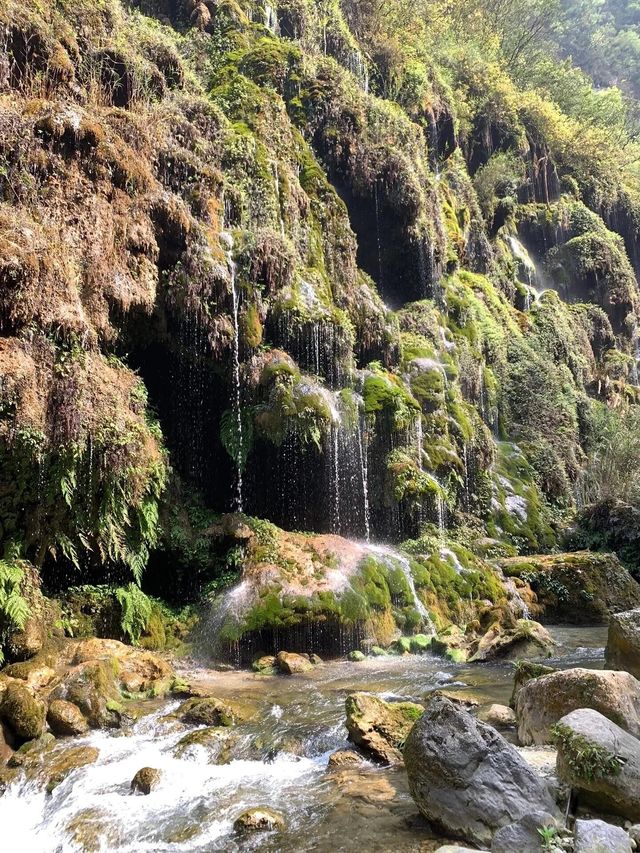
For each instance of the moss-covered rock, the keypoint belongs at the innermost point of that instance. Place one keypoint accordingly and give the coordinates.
(577, 587)
(378, 727)
(65, 718)
(206, 711)
(23, 712)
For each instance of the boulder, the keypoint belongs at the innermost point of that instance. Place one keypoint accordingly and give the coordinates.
(596, 836)
(259, 819)
(290, 663)
(25, 644)
(465, 778)
(356, 656)
(266, 665)
(138, 671)
(379, 727)
(65, 718)
(37, 674)
(94, 687)
(455, 848)
(23, 713)
(579, 588)
(600, 761)
(420, 643)
(146, 780)
(523, 835)
(524, 671)
(498, 716)
(541, 702)
(208, 711)
(527, 639)
(623, 642)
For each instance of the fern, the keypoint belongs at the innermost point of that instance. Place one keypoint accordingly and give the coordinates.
(14, 608)
(237, 445)
(135, 611)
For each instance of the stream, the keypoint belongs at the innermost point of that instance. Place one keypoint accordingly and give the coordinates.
(277, 758)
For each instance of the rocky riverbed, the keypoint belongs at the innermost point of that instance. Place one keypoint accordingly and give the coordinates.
(277, 756)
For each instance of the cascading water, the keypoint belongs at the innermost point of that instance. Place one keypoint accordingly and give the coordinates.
(276, 178)
(364, 469)
(237, 394)
(380, 281)
(528, 267)
(393, 558)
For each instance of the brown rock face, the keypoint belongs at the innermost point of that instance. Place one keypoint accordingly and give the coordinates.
(541, 702)
(65, 718)
(378, 727)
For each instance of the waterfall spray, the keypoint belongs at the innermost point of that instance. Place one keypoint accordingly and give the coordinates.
(236, 400)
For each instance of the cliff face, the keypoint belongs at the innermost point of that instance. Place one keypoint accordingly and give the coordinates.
(225, 255)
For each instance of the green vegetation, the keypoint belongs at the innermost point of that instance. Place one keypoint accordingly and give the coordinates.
(584, 759)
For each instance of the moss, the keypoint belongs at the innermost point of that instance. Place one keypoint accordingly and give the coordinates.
(584, 759)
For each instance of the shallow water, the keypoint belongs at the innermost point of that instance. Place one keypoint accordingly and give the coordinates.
(278, 758)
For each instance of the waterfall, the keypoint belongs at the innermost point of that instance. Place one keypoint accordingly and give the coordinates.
(467, 485)
(270, 19)
(378, 238)
(364, 472)
(392, 559)
(528, 267)
(517, 598)
(236, 400)
(335, 430)
(358, 67)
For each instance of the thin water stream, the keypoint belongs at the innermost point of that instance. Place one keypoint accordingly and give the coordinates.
(277, 757)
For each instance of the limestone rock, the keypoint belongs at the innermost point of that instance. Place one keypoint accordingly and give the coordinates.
(524, 671)
(581, 587)
(37, 674)
(498, 716)
(259, 819)
(93, 686)
(65, 718)
(455, 848)
(356, 656)
(22, 711)
(527, 639)
(379, 727)
(65, 762)
(145, 780)
(25, 644)
(596, 836)
(215, 741)
(205, 712)
(601, 762)
(541, 702)
(291, 663)
(623, 642)
(523, 836)
(465, 778)
(7, 743)
(138, 671)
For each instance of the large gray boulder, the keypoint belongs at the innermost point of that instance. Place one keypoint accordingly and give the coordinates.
(600, 761)
(596, 836)
(541, 702)
(466, 779)
(623, 642)
(523, 835)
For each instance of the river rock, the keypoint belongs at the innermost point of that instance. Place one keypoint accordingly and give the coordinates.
(36, 674)
(145, 780)
(138, 671)
(596, 836)
(356, 656)
(464, 776)
(498, 716)
(541, 702)
(525, 670)
(259, 819)
(290, 663)
(623, 642)
(93, 686)
(265, 665)
(345, 757)
(65, 718)
(527, 639)
(600, 761)
(23, 712)
(216, 742)
(379, 727)
(205, 712)
(60, 764)
(523, 836)
(455, 848)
